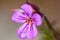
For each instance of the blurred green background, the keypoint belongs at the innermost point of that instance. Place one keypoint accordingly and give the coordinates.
(51, 8)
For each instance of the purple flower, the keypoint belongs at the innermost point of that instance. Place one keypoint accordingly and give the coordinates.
(30, 19)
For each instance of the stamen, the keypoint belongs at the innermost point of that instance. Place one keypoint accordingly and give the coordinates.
(29, 21)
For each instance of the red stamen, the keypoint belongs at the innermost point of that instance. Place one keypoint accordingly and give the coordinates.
(29, 21)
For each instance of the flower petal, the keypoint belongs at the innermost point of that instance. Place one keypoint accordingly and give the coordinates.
(35, 32)
(31, 32)
(37, 19)
(27, 9)
(21, 31)
(18, 16)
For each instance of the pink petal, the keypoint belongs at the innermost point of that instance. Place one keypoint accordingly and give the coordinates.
(37, 19)
(35, 32)
(31, 32)
(21, 31)
(27, 9)
(18, 16)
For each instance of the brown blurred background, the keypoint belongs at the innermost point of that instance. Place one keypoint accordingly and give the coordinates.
(51, 8)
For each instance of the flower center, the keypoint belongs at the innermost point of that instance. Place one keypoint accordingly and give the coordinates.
(29, 20)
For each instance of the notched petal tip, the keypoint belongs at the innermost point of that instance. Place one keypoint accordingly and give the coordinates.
(21, 31)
